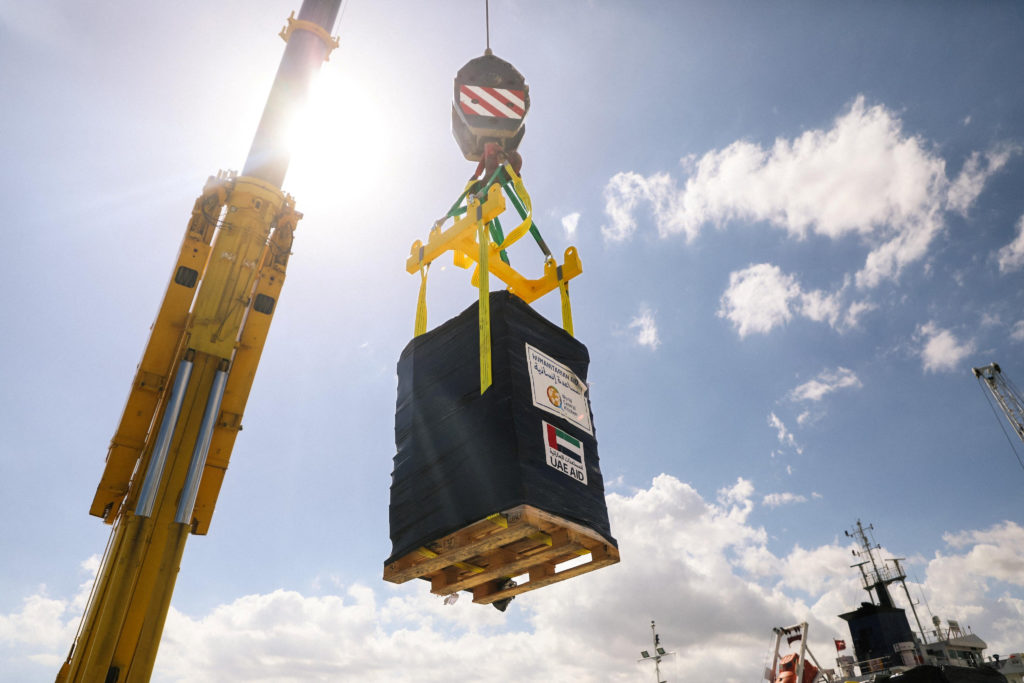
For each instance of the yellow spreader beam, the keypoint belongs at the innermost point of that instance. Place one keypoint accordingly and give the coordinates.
(461, 238)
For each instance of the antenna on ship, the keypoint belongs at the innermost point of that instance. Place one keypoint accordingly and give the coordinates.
(881, 574)
(659, 652)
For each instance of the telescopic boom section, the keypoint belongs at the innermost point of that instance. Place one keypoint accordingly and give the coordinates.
(171, 449)
(307, 49)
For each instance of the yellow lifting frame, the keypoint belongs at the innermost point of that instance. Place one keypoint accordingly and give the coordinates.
(461, 238)
(468, 239)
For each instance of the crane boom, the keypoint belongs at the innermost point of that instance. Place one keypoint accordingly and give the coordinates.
(1006, 395)
(167, 459)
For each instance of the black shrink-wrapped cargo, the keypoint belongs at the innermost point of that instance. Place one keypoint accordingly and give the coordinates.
(529, 439)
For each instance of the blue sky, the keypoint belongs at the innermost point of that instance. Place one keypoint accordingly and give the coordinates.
(801, 225)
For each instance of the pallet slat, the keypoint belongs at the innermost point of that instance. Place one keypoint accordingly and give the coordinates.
(483, 555)
(488, 593)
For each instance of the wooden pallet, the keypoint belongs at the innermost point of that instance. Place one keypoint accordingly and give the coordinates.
(484, 555)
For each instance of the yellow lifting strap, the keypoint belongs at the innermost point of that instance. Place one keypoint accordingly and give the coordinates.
(421, 303)
(430, 554)
(524, 197)
(469, 238)
(524, 227)
(485, 299)
(563, 290)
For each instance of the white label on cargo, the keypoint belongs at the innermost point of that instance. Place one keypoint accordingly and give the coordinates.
(557, 389)
(564, 452)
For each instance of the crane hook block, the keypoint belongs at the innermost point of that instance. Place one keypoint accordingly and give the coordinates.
(490, 105)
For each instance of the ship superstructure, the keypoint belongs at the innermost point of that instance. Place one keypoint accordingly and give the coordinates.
(884, 643)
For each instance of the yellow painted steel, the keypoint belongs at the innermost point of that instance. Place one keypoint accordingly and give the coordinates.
(274, 263)
(235, 257)
(156, 369)
(469, 240)
(218, 307)
(462, 239)
(142, 559)
(563, 290)
(421, 304)
(329, 41)
(215, 315)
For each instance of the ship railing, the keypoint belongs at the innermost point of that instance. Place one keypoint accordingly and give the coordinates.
(884, 574)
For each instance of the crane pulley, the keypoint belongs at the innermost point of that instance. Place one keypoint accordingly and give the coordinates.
(489, 108)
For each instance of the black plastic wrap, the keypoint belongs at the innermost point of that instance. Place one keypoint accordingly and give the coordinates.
(949, 674)
(462, 456)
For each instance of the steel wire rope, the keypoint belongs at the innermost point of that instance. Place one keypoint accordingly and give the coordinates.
(1015, 395)
(989, 400)
(95, 584)
(337, 22)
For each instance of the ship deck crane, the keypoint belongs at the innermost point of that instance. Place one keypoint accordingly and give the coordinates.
(1006, 395)
(169, 454)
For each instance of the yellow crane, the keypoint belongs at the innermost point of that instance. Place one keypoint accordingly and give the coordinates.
(169, 454)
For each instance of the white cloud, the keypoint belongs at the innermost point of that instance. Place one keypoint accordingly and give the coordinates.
(570, 223)
(825, 383)
(855, 311)
(941, 350)
(971, 181)
(991, 563)
(821, 307)
(785, 436)
(737, 494)
(863, 177)
(774, 500)
(702, 569)
(990, 320)
(1017, 332)
(43, 628)
(761, 297)
(1011, 257)
(621, 196)
(40, 623)
(758, 299)
(646, 328)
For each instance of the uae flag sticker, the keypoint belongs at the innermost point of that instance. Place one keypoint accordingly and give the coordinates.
(565, 452)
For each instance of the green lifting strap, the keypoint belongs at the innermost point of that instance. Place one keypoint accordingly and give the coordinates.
(518, 203)
(502, 177)
(498, 235)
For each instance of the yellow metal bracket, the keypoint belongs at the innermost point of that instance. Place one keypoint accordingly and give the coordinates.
(316, 29)
(461, 238)
(470, 240)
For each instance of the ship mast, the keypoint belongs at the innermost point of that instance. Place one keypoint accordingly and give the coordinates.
(659, 652)
(881, 575)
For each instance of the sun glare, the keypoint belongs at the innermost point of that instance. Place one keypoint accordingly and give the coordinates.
(339, 141)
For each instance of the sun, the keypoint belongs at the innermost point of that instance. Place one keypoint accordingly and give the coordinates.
(339, 140)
